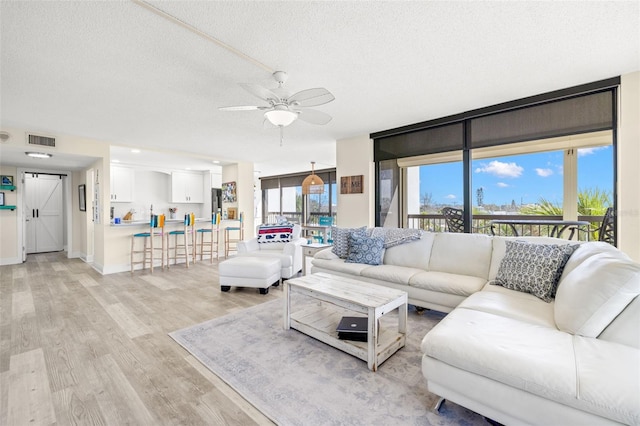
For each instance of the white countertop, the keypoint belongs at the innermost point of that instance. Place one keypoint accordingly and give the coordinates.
(166, 221)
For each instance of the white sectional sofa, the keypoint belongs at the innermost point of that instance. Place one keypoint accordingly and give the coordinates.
(507, 354)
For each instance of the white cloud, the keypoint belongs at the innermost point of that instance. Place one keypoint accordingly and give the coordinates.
(544, 172)
(450, 197)
(588, 151)
(501, 170)
(502, 185)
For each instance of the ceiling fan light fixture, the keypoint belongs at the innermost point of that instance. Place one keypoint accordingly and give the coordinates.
(38, 154)
(280, 117)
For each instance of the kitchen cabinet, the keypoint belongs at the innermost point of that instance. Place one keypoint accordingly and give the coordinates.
(122, 184)
(187, 187)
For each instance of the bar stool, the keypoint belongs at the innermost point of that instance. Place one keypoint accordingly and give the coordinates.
(156, 229)
(188, 234)
(212, 244)
(228, 241)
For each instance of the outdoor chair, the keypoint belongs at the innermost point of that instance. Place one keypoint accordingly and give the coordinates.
(454, 219)
(606, 232)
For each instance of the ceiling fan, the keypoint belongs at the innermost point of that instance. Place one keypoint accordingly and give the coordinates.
(283, 109)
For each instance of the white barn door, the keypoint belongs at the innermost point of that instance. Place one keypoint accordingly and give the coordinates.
(43, 208)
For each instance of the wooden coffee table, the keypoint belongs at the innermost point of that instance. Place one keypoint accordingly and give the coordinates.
(321, 319)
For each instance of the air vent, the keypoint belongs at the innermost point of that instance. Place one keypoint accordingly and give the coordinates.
(42, 141)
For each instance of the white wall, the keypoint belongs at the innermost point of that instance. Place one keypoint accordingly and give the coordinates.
(354, 156)
(413, 190)
(629, 166)
(242, 174)
(9, 253)
(64, 144)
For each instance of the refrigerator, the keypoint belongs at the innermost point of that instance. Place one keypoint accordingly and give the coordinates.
(216, 200)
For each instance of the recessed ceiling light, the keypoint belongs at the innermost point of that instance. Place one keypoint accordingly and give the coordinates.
(216, 162)
(135, 151)
(188, 168)
(115, 161)
(38, 154)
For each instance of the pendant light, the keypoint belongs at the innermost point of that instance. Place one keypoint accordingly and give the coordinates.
(312, 184)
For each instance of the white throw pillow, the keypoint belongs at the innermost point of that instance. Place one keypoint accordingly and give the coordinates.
(594, 294)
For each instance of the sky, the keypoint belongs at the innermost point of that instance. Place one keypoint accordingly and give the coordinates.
(520, 178)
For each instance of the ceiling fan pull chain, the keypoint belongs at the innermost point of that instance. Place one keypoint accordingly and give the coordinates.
(281, 134)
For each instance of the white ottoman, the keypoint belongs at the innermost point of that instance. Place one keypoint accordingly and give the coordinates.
(247, 271)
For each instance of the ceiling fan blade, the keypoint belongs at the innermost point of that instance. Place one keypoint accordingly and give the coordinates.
(260, 92)
(311, 97)
(243, 108)
(313, 116)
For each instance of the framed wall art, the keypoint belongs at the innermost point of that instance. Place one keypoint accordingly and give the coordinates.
(351, 184)
(229, 192)
(6, 180)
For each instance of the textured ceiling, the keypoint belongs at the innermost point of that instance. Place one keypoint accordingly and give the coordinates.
(114, 71)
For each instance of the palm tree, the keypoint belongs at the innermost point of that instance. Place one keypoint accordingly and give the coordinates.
(591, 202)
(543, 208)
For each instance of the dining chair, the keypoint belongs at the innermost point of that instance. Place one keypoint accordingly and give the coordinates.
(324, 221)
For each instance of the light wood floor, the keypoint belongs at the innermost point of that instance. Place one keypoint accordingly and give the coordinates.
(80, 348)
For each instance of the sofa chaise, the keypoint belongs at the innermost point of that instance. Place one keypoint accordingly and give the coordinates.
(507, 354)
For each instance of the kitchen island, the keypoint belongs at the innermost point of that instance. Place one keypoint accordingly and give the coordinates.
(118, 239)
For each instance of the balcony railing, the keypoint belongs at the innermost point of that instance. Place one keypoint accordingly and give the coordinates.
(296, 217)
(482, 224)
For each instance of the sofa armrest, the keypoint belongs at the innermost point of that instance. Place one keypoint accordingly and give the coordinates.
(248, 245)
(294, 249)
(326, 254)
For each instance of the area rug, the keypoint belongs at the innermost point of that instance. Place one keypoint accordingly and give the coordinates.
(296, 380)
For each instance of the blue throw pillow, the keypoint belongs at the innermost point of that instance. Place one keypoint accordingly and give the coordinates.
(341, 239)
(363, 249)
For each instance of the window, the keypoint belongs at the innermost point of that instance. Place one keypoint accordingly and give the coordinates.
(530, 184)
(388, 195)
(595, 182)
(282, 196)
(548, 129)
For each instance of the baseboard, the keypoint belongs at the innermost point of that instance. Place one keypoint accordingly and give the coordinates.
(98, 267)
(10, 261)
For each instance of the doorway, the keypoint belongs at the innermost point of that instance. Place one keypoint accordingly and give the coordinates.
(44, 212)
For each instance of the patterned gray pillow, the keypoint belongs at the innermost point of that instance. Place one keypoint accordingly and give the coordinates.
(533, 268)
(396, 236)
(363, 249)
(341, 239)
